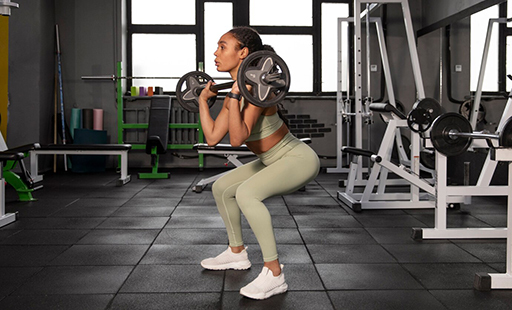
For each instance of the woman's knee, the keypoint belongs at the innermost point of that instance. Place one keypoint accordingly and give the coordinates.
(244, 196)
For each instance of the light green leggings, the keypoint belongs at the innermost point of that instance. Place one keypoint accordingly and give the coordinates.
(286, 167)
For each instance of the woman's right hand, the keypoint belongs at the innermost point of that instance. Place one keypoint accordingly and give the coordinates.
(207, 93)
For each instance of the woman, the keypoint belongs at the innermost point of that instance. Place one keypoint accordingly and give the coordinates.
(284, 165)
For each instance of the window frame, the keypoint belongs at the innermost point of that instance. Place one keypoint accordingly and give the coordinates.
(241, 18)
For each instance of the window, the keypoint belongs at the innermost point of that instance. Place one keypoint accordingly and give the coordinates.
(478, 37)
(170, 38)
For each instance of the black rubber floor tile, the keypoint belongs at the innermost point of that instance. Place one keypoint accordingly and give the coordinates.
(189, 221)
(165, 254)
(474, 300)
(196, 301)
(336, 236)
(52, 302)
(430, 253)
(134, 223)
(366, 277)
(388, 299)
(76, 280)
(365, 253)
(494, 220)
(491, 252)
(173, 279)
(100, 255)
(144, 211)
(46, 237)
(314, 209)
(198, 201)
(455, 219)
(13, 277)
(286, 301)
(32, 209)
(298, 200)
(160, 193)
(195, 211)
(34, 255)
(400, 235)
(299, 277)
(447, 276)
(192, 236)
(131, 236)
(84, 212)
(329, 220)
(397, 220)
(98, 202)
(152, 202)
(56, 223)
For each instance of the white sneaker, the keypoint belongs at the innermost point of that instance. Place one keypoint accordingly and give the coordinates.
(228, 260)
(265, 285)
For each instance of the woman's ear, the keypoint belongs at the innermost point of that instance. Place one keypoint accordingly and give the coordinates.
(244, 52)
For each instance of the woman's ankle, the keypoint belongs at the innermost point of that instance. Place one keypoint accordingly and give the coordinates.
(237, 249)
(273, 266)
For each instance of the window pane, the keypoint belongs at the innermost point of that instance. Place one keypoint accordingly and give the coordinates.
(330, 14)
(297, 52)
(479, 22)
(164, 12)
(156, 55)
(281, 13)
(214, 28)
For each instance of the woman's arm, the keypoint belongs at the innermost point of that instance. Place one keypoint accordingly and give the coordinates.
(213, 130)
(241, 122)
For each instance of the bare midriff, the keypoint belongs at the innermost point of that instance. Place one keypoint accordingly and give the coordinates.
(265, 144)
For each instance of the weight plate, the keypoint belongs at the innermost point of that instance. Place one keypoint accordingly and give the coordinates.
(506, 134)
(441, 139)
(428, 159)
(268, 76)
(187, 90)
(419, 120)
(431, 105)
(465, 110)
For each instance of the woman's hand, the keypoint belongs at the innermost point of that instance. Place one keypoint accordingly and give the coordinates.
(207, 93)
(236, 90)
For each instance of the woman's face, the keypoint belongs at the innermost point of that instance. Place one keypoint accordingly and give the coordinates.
(228, 56)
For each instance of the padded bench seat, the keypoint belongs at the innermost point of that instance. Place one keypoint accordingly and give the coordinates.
(82, 149)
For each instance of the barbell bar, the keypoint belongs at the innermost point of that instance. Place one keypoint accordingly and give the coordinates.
(452, 134)
(113, 77)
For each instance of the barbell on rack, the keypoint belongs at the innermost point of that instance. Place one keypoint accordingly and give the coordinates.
(452, 134)
(264, 71)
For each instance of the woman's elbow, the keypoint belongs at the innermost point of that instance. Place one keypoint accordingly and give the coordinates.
(236, 142)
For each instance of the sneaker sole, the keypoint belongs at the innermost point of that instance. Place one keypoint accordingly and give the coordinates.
(278, 290)
(235, 266)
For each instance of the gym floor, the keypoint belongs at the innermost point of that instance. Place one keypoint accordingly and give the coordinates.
(86, 244)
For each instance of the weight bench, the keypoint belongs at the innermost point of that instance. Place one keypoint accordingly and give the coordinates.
(24, 184)
(82, 149)
(230, 152)
(4, 157)
(158, 134)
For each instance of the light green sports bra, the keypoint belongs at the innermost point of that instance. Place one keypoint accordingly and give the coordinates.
(265, 125)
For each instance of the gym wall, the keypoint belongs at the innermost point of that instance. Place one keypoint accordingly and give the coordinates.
(91, 42)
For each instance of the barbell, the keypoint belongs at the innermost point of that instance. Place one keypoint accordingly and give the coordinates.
(264, 71)
(452, 134)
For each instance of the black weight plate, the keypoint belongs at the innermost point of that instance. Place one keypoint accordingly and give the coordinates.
(257, 67)
(441, 140)
(187, 88)
(431, 105)
(506, 134)
(419, 120)
(428, 159)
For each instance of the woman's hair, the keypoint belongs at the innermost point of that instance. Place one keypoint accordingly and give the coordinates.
(250, 38)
